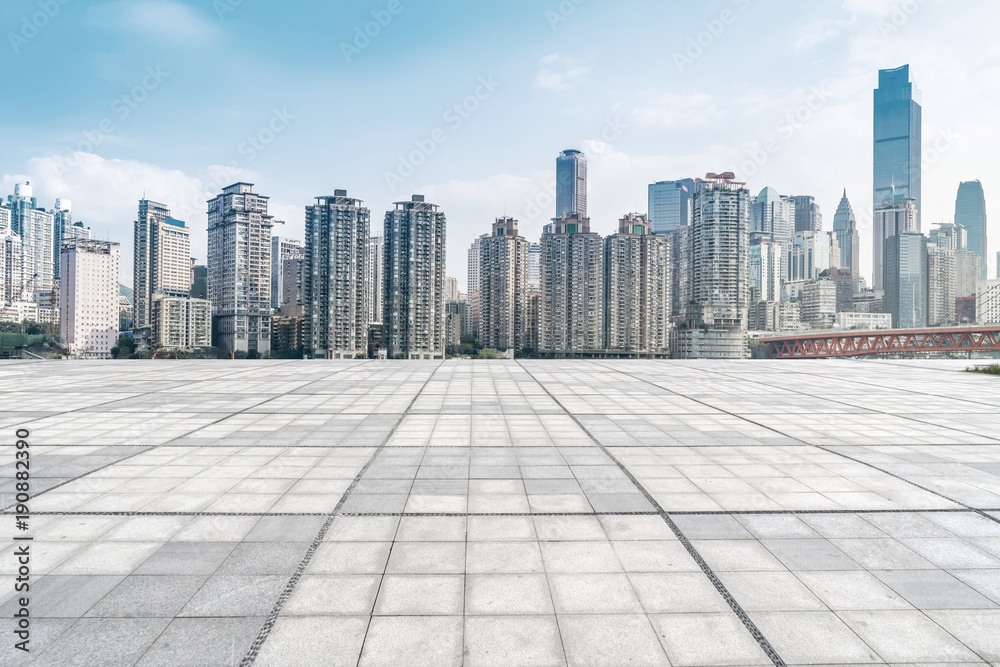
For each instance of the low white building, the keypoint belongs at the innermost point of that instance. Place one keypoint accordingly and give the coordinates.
(181, 322)
(988, 302)
(864, 320)
(88, 300)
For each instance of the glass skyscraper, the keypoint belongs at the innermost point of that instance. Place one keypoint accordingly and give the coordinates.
(970, 213)
(897, 137)
(670, 204)
(571, 184)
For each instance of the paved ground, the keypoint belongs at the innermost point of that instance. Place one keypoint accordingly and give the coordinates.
(502, 513)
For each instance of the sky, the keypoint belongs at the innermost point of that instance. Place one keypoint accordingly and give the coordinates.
(469, 103)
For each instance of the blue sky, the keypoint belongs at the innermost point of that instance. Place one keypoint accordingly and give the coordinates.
(107, 101)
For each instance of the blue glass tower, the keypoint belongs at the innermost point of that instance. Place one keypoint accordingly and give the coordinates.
(897, 137)
(970, 212)
(670, 204)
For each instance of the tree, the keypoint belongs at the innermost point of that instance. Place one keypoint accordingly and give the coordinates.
(489, 353)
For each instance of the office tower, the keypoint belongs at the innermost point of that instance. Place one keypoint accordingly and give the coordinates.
(766, 259)
(897, 148)
(636, 288)
(450, 289)
(474, 259)
(679, 241)
(811, 254)
(571, 183)
(670, 204)
(180, 322)
(819, 303)
(88, 300)
(414, 280)
(239, 270)
(375, 280)
(968, 268)
(807, 215)
(942, 287)
(35, 227)
(773, 215)
(906, 279)
(62, 221)
(970, 213)
(535, 267)
(845, 225)
(283, 249)
(896, 215)
(333, 290)
(503, 288)
(162, 259)
(11, 255)
(571, 310)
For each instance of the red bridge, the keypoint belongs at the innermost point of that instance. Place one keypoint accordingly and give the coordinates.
(897, 341)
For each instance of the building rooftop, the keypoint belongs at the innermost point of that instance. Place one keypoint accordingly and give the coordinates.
(507, 513)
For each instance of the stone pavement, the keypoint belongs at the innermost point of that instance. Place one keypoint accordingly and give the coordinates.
(505, 513)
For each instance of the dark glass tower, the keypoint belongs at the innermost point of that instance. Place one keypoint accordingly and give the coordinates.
(571, 183)
(897, 137)
(970, 212)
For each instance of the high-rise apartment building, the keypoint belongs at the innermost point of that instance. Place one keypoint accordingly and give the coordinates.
(681, 262)
(333, 289)
(282, 250)
(807, 214)
(968, 268)
(414, 318)
(503, 288)
(161, 261)
(535, 267)
(62, 223)
(970, 213)
(35, 226)
(906, 279)
(375, 280)
(718, 315)
(571, 309)
(636, 288)
(450, 289)
(88, 298)
(670, 204)
(942, 284)
(811, 254)
(239, 270)
(12, 287)
(474, 261)
(180, 322)
(819, 303)
(845, 226)
(898, 140)
(766, 260)
(571, 183)
(897, 214)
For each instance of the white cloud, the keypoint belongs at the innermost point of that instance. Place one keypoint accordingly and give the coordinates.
(162, 20)
(559, 73)
(677, 110)
(818, 32)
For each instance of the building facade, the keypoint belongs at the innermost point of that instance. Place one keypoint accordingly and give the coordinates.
(906, 279)
(180, 322)
(36, 228)
(636, 288)
(942, 284)
(897, 139)
(414, 312)
(375, 280)
(88, 298)
(845, 226)
(239, 270)
(808, 217)
(766, 260)
(282, 250)
(970, 213)
(897, 214)
(670, 204)
(819, 303)
(333, 277)
(161, 260)
(571, 183)
(571, 308)
(503, 288)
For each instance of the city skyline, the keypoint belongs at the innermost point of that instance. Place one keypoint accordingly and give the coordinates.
(566, 90)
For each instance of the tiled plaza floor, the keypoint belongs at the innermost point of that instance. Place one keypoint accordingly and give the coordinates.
(505, 513)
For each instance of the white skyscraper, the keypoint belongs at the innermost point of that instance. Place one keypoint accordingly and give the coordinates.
(239, 270)
(766, 259)
(474, 261)
(88, 298)
(35, 227)
(375, 279)
(503, 288)
(162, 260)
(845, 225)
(282, 250)
(896, 215)
(62, 223)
